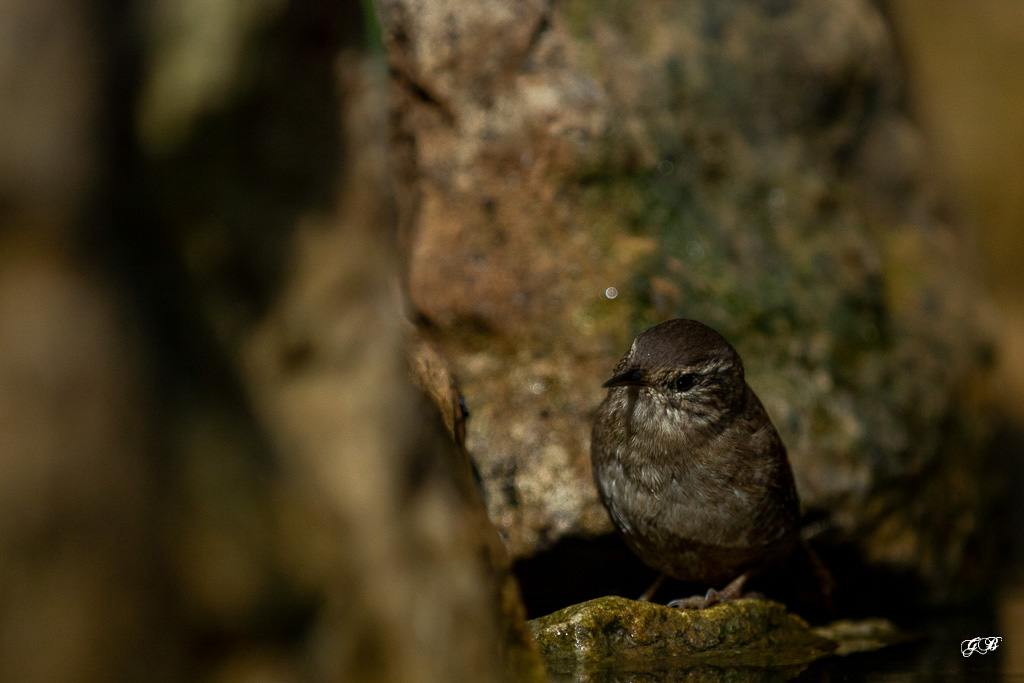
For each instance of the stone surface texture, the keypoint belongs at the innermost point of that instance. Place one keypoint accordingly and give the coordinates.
(571, 173)
(629, 636)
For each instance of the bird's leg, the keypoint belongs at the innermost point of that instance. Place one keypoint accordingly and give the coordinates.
(731, 592)
(649, 593)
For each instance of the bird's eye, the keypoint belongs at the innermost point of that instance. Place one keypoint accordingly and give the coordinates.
(684, 382)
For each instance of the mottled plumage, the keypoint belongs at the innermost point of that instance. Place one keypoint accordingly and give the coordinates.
(687, 461)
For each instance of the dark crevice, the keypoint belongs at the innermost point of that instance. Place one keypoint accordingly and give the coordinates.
(579, 569)
(400, 44)
(421, 94)
(539, 31)
(575, 570)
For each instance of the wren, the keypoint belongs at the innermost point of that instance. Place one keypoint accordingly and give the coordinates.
(689, 465)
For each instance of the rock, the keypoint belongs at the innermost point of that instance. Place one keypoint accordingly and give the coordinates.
(623, 635)
(862, 636)
(433, 375)
(81, 581)
(78, 554)
(570, 174)
(614, 636)
(391, 536)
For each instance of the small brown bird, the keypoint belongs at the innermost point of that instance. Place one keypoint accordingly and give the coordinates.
(689, 465)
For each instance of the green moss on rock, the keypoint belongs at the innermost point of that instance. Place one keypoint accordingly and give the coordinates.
(615, 632)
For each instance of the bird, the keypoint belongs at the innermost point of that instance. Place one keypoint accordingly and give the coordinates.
(689, 465)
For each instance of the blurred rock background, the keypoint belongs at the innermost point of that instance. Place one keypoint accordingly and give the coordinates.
(215, 464)
(968, 95)
(242, 242)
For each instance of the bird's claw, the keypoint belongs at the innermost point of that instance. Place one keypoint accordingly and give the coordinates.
(731, 592)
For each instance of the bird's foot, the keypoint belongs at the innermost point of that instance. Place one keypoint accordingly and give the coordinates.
(731, 592)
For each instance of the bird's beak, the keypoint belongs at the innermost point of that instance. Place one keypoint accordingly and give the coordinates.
(629, 378)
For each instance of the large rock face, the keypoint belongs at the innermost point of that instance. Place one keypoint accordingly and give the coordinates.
(572, 173)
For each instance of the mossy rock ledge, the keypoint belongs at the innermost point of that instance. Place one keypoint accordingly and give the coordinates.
(615, 632)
